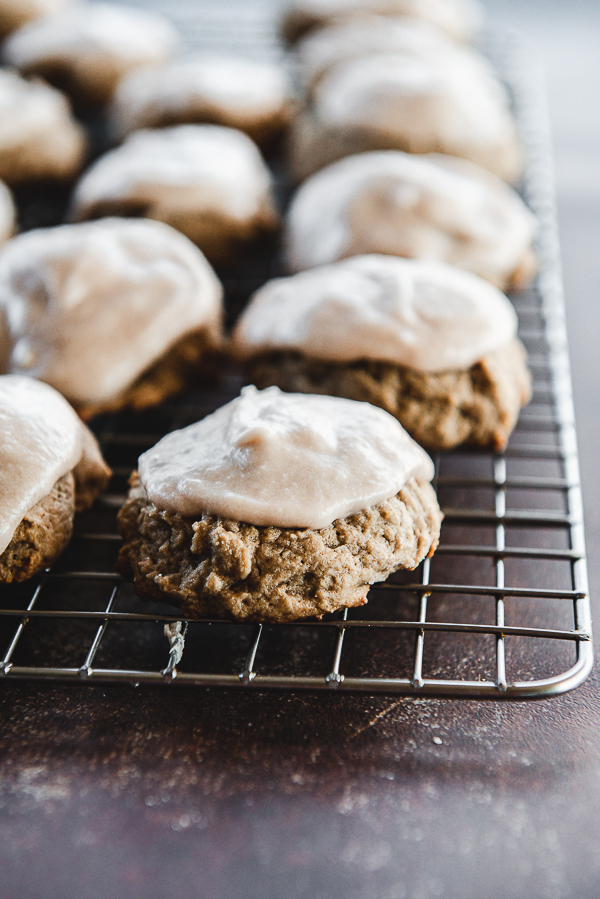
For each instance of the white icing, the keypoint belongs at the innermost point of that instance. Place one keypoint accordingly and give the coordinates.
(288, 460)
(188, 170)
(91, 306)
(450, 103)
(36, 127)
(41, 439)
(424, 207)
(459, 18)
(424, 315)
(97, 43)
(14, 13)
(236, 92)
(320, 50)
(8, 213)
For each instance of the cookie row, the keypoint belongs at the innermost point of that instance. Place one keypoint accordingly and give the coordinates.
(434, 345)
(122, 313)
(268, 510)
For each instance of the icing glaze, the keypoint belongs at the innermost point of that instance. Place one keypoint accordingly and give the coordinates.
(423, 315)
(15, 13)
(288, 460)
(91, 306)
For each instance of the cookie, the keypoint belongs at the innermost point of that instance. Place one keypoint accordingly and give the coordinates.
(276, 508)
(448, 103)
(433, 346)
(40, 138)
(253, 96)
(86, 49)
(118, 313)
(50, 468)
(460, 19)
(194, 359)
(422, 207)
(209, 182)
(15, 13)
(321, 50)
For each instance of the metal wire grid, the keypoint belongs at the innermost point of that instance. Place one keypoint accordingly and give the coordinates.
(71, 624)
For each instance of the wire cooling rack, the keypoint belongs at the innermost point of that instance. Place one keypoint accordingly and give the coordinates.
(500, 612)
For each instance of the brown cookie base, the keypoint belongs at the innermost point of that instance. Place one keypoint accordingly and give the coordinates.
(441, 410)
(229, 569)
(192, 357)
(42, 535)
(264, 129)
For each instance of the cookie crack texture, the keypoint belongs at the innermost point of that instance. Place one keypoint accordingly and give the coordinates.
(252, 573)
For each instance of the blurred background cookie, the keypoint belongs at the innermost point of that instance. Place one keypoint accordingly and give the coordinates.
(423, 207)
(209, 182)
(254, 96)
(278, 507)
(15, 13)
(450, 102)
(434, 346)
(39, 138)
(8, 214)
(319, 51)
(115, 313)
(50, 467)
(86, 49)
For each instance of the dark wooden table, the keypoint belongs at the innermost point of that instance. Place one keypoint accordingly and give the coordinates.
(148, 793)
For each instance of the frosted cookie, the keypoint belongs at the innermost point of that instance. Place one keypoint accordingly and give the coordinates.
(209, 182)
(321, 50)
(15, 13)
(461, 19)
(39, 138)
(224, 90)
(423, 207)
(8, 213)
(50, 467)
(450, 103)
(278, 507)
(434, 346)
(115, 313)
(86, 50)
